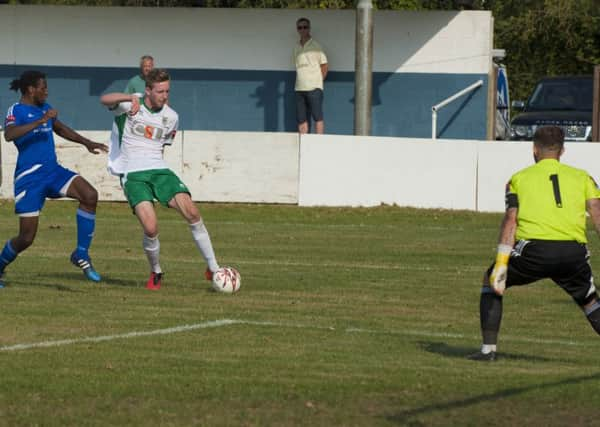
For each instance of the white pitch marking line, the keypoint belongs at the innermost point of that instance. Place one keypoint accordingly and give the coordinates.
(409, 332)
(183, 328)
(416, 333)
(227, 322)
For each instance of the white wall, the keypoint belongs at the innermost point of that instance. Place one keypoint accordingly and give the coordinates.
(328, 170)
(496, 162)
(368, 171)
(240, 39)
(241, 166)
(216, 166)
(73, 156)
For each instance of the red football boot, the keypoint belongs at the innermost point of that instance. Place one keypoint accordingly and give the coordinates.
(154, 281)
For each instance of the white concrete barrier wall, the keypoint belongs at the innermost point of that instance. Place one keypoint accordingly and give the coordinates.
(368, 171)
(216, 166)
(496, 162)
(327, 170)
(73, 156)
(241, 166)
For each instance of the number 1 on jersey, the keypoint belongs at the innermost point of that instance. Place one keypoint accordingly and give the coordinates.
(556, 188)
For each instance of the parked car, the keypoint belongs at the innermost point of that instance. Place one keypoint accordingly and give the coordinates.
(563, 101)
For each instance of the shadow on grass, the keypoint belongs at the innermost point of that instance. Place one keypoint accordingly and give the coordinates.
(50, 281)
(78, 277)
(57, 280)
(111, 281)
(404, 416)
(445, 349)
(56, 286)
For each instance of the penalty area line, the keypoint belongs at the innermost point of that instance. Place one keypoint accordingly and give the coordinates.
(227, 322)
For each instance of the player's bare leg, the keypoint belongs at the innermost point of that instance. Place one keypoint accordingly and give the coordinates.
(83, 191)
(28, 226)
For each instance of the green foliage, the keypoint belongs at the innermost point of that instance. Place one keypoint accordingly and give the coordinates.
(397, 4)
(541, 37)
(546, 38)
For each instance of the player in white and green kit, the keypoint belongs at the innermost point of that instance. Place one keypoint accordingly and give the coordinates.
(141, 129)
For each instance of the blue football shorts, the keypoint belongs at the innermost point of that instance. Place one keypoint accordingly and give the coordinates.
(33, 186)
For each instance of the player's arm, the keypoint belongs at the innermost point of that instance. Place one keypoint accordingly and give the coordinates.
(506, 240)
(508, 230)
(12, 132)
(112, 101)
(170, 136)
(593, 208)
(66, 132)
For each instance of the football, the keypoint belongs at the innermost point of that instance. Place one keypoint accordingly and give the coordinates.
(226, 280)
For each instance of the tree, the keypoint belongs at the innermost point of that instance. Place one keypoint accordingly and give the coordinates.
(541, 37)
(546, 38)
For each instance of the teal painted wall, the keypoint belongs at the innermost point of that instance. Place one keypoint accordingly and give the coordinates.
(263, 101)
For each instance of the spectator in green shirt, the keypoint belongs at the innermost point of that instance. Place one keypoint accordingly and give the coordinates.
(137, 84)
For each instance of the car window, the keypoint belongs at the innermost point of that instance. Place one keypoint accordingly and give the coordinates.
(573, 94)
(587, 96)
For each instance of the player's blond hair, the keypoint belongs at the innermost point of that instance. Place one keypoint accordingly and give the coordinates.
(157, 75)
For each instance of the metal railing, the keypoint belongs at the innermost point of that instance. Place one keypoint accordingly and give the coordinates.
(447, 101)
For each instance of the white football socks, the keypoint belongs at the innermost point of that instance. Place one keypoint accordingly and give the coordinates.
(202, 239)
(488, 348)
(152, 249)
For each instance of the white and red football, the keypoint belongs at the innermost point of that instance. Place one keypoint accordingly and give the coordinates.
(226, 280)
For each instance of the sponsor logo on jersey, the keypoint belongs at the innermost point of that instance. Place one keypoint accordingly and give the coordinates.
(148, 132)
(10, 120)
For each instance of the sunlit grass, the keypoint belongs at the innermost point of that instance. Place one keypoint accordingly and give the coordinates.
(346, 317)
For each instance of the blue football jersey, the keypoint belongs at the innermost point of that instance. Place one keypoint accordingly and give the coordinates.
(36, 147)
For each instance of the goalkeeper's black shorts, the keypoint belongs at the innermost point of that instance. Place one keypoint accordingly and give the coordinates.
(564, 262)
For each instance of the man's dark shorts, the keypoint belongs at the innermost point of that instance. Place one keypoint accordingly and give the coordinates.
(566, 263)
(309, 102)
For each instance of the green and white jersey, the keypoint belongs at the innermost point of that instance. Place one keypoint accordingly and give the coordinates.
(137, 141)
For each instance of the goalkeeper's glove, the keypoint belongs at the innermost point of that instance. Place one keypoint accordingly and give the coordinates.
(498, 276)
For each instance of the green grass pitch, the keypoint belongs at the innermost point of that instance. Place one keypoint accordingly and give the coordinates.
(346, 317)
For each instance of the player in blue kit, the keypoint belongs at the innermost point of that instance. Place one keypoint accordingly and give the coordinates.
(30, 124)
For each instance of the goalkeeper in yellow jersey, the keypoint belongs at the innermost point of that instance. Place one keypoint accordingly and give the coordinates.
(543, 236)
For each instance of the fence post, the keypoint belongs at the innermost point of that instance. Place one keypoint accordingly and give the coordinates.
(596, 106)
(492, 104)
(363, 86)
